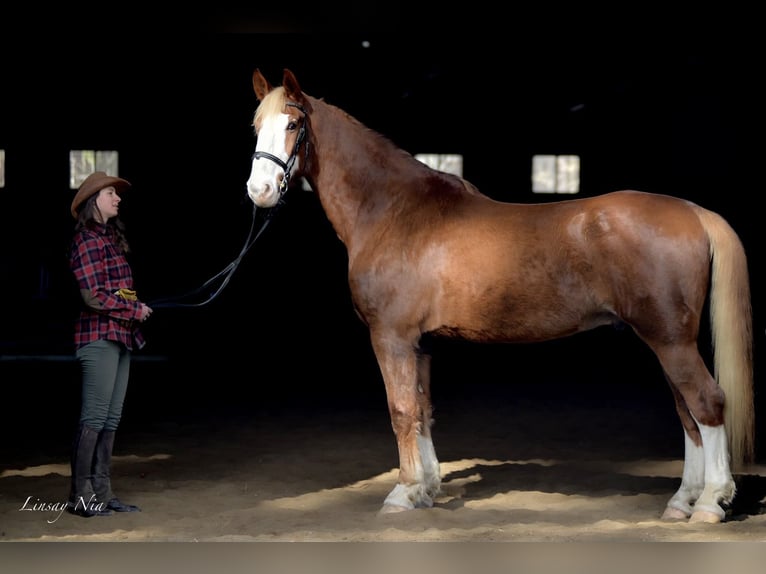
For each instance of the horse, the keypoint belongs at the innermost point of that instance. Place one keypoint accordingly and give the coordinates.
(429, 255)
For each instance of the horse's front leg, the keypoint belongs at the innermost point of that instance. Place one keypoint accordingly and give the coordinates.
(410, 409)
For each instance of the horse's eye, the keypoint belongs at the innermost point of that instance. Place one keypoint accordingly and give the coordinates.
(292, 126)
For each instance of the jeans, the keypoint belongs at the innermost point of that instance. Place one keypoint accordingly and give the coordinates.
(105, 371)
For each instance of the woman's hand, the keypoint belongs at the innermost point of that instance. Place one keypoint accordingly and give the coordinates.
(146, 312)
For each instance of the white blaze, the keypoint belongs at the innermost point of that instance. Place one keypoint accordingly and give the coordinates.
(266, 174)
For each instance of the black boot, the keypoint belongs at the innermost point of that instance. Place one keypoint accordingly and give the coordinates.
(82, 499)
(102, 484)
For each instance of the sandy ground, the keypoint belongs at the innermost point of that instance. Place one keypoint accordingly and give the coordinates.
(300, 472)
(601, 473)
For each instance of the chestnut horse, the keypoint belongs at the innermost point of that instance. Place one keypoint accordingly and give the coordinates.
(428, 254)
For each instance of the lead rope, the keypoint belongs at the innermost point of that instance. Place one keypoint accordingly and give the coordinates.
(226, 272)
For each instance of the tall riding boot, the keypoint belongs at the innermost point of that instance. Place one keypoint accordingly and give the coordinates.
(102, 484)
(82, 499)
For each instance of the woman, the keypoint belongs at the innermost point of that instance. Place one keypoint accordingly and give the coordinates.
(106, 333)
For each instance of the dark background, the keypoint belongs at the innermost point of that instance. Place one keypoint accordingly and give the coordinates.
(648, 102)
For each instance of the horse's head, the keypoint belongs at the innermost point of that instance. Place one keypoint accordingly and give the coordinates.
(280, 128)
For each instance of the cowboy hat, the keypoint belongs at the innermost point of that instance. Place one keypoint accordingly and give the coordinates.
(94, 183)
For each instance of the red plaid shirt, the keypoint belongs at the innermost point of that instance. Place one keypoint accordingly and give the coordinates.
(100, 267)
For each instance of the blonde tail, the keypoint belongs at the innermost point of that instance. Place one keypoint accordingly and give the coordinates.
(732, 333)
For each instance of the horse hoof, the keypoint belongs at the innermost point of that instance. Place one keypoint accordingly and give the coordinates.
(674, 514)
(393, 509)
(705, 516)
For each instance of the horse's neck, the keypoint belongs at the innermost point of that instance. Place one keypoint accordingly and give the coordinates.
(353, 173)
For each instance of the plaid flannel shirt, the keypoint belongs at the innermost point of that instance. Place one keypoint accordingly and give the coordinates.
(100, 267)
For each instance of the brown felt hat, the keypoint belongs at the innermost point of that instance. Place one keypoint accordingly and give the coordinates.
(94, 183)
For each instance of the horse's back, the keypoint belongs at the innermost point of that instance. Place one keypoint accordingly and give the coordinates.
(610, 230)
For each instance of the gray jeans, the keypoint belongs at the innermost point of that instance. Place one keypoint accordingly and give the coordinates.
(105, 371)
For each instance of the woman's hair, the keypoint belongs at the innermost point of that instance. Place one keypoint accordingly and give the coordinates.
(86, 217)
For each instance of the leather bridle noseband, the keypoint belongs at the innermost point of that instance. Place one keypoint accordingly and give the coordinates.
(288, 165)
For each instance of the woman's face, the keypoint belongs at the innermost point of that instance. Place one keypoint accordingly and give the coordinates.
(108, 202)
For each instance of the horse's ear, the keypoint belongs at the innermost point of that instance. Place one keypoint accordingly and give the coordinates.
(292, 88)
(261, 85)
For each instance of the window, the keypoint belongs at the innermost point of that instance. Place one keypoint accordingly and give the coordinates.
(556, 174)
(447, 162)
(85, 161)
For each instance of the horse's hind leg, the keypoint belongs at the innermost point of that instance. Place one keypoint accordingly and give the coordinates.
(719, 484)
(693, 478)
(707, 484)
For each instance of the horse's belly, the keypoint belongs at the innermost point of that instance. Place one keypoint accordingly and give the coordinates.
(519, 321)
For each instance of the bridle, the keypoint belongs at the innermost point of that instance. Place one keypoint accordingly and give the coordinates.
(288, 165)
(228, 271)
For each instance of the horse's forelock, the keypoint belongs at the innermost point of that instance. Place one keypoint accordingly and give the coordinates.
(272, 103)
